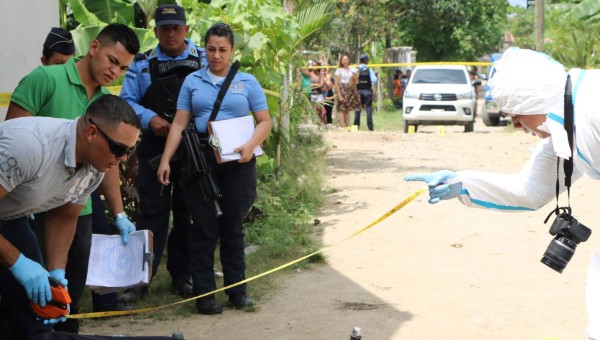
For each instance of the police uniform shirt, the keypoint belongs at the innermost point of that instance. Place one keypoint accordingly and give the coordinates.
(38, 166)
(372, 75)
(137, 79)
(198, 95)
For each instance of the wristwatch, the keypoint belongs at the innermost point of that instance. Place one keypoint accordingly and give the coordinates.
(120, 215)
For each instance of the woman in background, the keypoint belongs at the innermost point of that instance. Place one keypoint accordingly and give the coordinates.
(345, 86)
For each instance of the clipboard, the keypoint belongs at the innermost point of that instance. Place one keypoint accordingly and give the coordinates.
(228, 134)
(113, 266)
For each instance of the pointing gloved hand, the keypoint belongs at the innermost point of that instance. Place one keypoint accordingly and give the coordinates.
(441, 185)
(34, 278)
(125, 226)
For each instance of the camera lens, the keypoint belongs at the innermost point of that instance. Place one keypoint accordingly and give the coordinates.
(559, 253)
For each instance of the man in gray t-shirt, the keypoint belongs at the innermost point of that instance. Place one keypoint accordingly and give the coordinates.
(50, 164)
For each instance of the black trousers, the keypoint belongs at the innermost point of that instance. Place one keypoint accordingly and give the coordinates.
(19, 233)
(366, 99)
(156, 202)
(328, 113)
(77, 263)
(237, 184)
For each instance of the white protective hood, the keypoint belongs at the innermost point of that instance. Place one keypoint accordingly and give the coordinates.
(528, 82)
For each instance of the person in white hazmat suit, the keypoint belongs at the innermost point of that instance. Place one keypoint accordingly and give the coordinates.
(530, 87)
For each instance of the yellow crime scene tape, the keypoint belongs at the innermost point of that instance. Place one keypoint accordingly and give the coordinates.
(5, 96)
(143, 310)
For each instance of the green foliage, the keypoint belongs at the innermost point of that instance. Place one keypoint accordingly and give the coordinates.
(569, 32)
(586, 10)
(452, 30)
(521, 24)
(287, 204)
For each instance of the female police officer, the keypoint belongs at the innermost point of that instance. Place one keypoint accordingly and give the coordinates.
(236, 180)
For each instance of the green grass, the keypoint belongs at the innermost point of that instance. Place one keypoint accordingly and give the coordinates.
(388, 119)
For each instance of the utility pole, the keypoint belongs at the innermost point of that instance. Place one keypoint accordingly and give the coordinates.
(539, 25)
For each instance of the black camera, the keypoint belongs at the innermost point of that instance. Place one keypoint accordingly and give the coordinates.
(568, 234)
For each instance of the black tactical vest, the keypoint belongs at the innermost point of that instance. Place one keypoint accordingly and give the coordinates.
(364, 79)
(167, 78)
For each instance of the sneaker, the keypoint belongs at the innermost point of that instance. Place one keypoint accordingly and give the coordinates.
(133, 295)
(240, 301)
(208, 305)
(182, 286)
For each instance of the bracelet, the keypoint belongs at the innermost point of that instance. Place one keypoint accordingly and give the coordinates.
(120, 215)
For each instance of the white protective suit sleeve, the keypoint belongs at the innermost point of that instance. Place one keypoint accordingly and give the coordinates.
(530, 189)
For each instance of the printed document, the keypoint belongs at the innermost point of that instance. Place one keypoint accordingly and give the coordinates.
(232, 133)
(113, 266)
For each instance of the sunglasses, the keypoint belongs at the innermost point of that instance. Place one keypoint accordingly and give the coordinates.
(116, 148)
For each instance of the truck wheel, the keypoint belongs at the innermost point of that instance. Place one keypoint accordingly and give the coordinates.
(470, 126)
(407, 127)
(488, 120)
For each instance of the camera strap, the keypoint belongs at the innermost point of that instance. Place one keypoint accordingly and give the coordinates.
(569, 117)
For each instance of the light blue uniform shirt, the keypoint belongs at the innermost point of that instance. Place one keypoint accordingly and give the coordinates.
(137, 79)
(198, 95)
(371, 73)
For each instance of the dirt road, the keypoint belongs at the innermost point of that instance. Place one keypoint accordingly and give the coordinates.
(427, 272)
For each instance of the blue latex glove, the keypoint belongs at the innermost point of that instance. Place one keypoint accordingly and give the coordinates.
(441, 186)
(34, 278)
(125, 226)
(59, 275)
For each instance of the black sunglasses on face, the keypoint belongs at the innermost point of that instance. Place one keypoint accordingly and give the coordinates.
(117, 149)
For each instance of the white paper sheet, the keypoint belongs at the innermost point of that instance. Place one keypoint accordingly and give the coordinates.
(113, 265)
(232, 133)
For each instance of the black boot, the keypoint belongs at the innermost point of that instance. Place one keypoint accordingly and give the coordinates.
(133, 295)
(208, 305)
(240, 301)
(182, 286)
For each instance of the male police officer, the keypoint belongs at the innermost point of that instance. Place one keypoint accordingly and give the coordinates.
(366, 80)
(151, 87)
(58, 47)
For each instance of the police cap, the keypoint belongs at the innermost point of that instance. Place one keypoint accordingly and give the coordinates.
(60, 40)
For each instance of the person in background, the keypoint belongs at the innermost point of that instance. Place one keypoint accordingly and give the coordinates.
(236, 180)
(52, 165)
(64, 91)
(151, 87)
(366, 80)
(330, 96)
(534, 90)
(316, 82)
(398, 89)
(345, 87)
(58, 47)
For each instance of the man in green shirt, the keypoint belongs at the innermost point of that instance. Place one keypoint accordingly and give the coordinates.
(65, 91)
